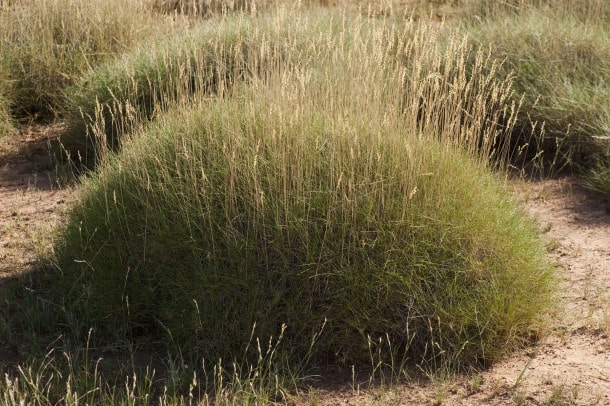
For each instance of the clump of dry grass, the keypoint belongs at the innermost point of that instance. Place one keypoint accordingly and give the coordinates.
(109, 101)
(46, 44)
(292, 171)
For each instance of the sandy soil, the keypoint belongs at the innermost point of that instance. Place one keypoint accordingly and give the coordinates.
(571, 365)
(30, 202)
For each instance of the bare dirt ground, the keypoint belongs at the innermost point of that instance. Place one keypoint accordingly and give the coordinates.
(571, 365)
(31, 204)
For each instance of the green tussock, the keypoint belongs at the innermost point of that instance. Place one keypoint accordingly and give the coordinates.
(234, 213)
(351, 190)
(598, 178)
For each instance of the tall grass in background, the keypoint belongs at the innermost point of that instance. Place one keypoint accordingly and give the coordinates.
(560, 56)
(207, 8)
(210, 57)
(46, 44)
(348, 189)
(213, 56)
(482, 9)
(210, 8)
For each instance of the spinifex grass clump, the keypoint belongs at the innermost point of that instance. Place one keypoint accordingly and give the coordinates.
(327, 193)
(49, 43)
(560, 58)
(235, 213)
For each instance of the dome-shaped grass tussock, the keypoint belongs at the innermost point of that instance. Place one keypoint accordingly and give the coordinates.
(235, 213)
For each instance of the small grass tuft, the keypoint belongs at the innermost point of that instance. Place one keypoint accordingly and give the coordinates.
(6, 91)
(598, 179)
